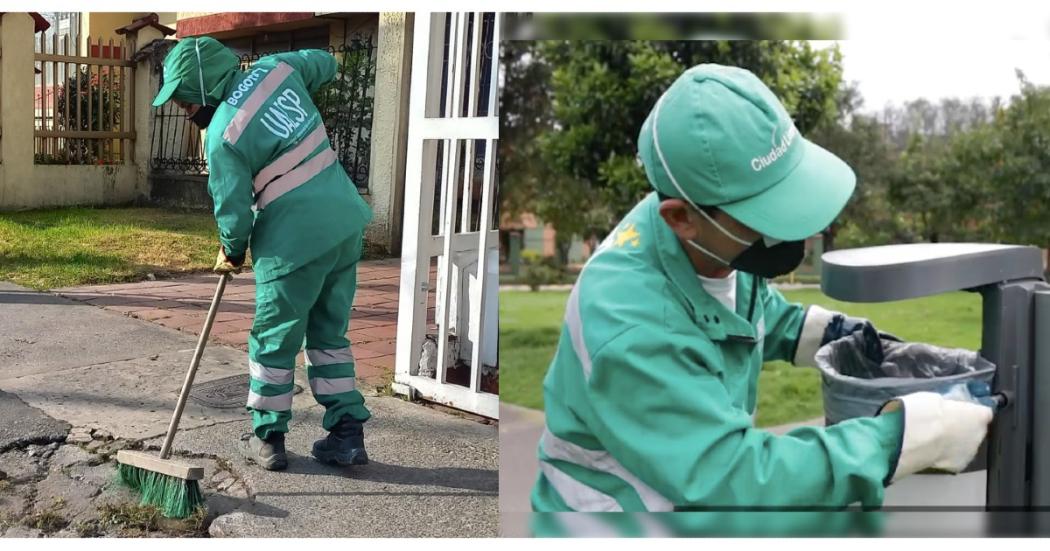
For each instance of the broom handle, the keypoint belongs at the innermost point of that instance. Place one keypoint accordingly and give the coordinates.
(188, 383)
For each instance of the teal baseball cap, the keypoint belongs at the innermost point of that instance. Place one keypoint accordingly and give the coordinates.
(719, 137)
(195, 71)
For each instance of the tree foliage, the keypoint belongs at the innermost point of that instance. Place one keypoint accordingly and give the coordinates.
(572, 111)
(945, 170)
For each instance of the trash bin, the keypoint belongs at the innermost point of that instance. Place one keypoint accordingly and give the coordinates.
(856, 386)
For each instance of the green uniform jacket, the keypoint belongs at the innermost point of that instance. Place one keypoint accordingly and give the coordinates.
(651, 394)
(267, 128)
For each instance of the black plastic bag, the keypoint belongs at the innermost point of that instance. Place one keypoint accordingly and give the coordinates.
(856, 385)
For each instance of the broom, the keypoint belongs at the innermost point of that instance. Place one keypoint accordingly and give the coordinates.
(171, 486)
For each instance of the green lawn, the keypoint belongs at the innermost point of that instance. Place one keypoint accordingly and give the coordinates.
(530, 324)
(46, 249)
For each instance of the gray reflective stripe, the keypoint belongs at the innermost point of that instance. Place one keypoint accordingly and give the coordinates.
(295, 178)
(653, 528)
(322, 386)
(329, 357)
(270, 375)
(281, 402)
(291, 159)
(251, 106)
(576, 494)
(812, 332)
(585, 525)
(602, 461)
(575, 325)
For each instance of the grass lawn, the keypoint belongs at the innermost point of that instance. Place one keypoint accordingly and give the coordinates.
(531, 322)
(46, 249)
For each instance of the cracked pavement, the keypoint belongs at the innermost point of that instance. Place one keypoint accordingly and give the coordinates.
(80, 382)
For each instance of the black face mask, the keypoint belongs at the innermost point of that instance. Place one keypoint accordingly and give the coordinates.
(202, 118)
(758, 258)
(769, 262)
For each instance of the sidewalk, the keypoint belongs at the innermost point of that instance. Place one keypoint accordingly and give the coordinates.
(83, 382)
(182, 304)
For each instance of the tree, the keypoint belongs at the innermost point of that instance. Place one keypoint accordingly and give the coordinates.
(919, 185)
(933, 183)
(577, 169)
(862, 142)
(86, 92)
(525, 115)
(969, 170)
(527, 184)
(1020, 182)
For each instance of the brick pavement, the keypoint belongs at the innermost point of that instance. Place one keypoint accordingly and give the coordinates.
(182, 304)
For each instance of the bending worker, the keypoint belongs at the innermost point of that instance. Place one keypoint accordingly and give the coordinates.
(651, 394)
(279, 188)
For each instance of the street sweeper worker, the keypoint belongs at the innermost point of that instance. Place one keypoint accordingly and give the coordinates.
(651, 395)
(280, 191)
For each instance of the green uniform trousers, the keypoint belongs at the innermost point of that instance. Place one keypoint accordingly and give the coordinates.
(311, 303)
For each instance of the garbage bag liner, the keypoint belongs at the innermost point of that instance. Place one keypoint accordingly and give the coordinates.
(854, 385)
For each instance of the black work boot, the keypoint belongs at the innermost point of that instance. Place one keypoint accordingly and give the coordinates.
(344, 445)
(268, 454)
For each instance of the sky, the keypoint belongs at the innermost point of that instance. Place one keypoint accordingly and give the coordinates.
(895, 58)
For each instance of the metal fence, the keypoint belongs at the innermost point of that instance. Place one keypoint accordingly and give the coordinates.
(177, 145)
(450, 177)
(482, 44)
(346, 105)
(83, 107)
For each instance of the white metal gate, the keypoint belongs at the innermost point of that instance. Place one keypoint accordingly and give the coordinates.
(451, 259)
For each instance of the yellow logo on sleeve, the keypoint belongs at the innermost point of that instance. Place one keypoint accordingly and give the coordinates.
(628, 235)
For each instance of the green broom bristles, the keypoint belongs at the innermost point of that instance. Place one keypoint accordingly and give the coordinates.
(175, 497)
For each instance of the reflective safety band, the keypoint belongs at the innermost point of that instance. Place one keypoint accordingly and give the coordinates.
(329, 357)
(576, 494)
(602, 461)
(812, 332)
(574, 324)
(295, 178)
(251, 106)
(588, 526)
(291, 159)
(281, 402)
(269, 375)
(322, 386)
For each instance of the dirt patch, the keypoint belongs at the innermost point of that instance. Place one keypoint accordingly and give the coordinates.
(72, 490)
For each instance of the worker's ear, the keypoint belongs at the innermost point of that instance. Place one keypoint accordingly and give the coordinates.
(680, 217)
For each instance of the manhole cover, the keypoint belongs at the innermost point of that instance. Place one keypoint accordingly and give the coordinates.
(225, 393)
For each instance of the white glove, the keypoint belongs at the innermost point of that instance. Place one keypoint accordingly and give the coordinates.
(939, 433)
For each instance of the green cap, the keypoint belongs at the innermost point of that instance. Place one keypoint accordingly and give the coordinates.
(719, 137)
(194, 62)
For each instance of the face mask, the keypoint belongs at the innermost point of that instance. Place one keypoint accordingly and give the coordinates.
(202, 118)
(763, 259)
(766, 257)
(769, 262)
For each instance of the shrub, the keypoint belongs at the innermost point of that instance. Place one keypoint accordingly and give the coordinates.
(538, 270)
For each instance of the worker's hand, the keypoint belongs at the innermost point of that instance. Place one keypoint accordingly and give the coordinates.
(942, 431)
(227, 265)
(842, 325)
